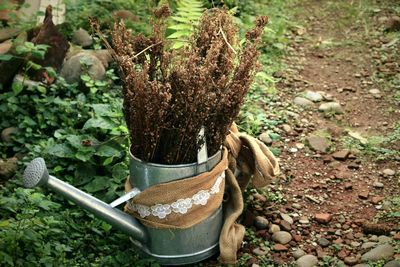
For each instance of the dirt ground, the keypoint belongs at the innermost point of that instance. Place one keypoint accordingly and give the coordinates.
(342, 56)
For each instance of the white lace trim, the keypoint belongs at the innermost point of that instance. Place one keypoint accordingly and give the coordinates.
(181, 205)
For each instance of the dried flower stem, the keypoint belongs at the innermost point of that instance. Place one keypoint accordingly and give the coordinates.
(169, 96)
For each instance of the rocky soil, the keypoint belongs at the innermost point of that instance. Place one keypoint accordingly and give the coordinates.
(334, 203)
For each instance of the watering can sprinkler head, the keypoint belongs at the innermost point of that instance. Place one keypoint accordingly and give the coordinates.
(36, 173)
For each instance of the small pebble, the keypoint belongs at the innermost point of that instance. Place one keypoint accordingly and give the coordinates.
(378, 185)
(323, 242)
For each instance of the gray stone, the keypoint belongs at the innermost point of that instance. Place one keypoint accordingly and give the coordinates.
(388, 172)
(260, 251)
(307, 261)
(104, 56)
(82, 37)
(350, 260)
(7, 133)
(318, 143)
(5, 47)
(265, 138)
(8, 167)
(8, 33)
(358, 136)
(393, 23)
(341, 154)
(297, 206)
(394, 263)
(373, 238)
(374, 91)
(384, 239)
(303, 102)
(273, 228)
(298, 253)
(331, 107)
(27, 82)
(282, 237)
(73, 69)
(287, 128)
(292, 114)
(361, 265)
(125, 15)
(304, 220)
(313, 96)
(378, 185)
(368, 245)
(381, 252)
(323, 242)
(261, 222)
(287, 218)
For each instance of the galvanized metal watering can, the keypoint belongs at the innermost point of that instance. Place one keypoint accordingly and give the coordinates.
(168, 247)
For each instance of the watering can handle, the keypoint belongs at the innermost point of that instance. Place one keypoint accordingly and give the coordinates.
(131, 194)
(202, 155)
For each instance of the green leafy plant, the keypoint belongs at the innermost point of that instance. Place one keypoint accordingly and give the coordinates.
(27, 52)
(80, 132)
(77, 13)
(184, 21)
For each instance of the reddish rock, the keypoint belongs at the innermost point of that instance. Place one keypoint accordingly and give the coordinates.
(363, 195)
(323, 217)
(396, 236)
(358, 235)
(343, 175)
(350, 260)
(350, 236)
(338, 241)
(343, 254)
(341, 155)
(346, 226)
(252, 261)
(359, 222)
(262, 233)
(353, 166)
(376, 199)
(327, 159)
(297, 238)
(329, 230)
(285, 225)
(260, 198)
(321, 254)
(280, 247)
(348, 186)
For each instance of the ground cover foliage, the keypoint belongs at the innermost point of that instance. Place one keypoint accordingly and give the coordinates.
(80, 131)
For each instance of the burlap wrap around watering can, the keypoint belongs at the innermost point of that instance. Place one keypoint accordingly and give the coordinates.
(241, 154)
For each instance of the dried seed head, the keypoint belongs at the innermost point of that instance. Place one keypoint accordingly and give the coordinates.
(162, 12)
(168, 96)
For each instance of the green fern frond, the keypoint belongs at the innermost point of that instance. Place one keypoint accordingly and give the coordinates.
(187, 16)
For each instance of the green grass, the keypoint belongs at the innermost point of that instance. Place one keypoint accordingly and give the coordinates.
(377, 147)
(259, 103)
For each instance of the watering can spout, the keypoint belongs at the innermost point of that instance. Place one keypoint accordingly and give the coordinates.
(36, 174)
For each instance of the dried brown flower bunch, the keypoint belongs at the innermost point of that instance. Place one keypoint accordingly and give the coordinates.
(169, 96)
